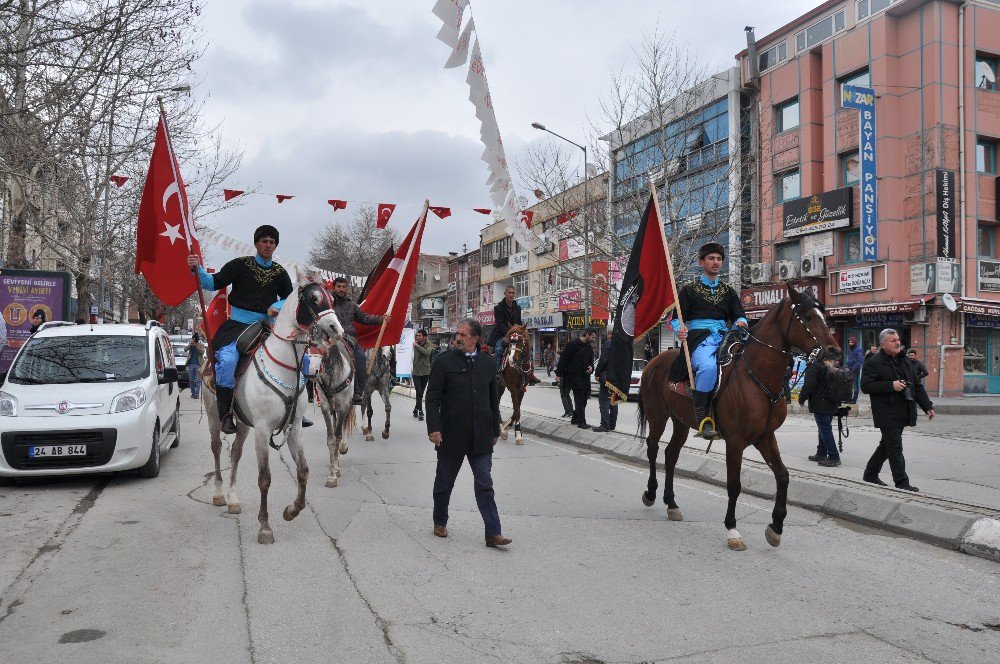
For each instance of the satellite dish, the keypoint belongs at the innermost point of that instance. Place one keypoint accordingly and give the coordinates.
(949, 302)
(985, 72)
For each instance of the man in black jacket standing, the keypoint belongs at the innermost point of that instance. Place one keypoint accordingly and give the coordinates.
(823, 410)
(463, 420)
(895, 391)
(575, 365)
(609, 411)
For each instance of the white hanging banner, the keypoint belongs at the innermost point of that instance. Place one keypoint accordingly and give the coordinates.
(461, 51)
(450, 12)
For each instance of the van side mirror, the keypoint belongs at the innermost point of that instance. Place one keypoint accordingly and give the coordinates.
(169, 376)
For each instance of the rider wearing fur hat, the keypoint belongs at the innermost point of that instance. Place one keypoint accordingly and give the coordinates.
(259, 288)
(710, 307)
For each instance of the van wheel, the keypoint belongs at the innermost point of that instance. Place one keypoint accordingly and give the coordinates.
(152, 467)
(177, 426)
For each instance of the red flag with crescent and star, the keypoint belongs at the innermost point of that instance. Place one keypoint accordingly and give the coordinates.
(165, 231)
(217, 313)
(385, 211)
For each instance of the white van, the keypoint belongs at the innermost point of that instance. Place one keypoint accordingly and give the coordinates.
(89, 399)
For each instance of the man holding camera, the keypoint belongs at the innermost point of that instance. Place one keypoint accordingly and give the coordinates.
(895, 391)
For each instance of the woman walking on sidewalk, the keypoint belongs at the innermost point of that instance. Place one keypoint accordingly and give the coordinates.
(823, 410)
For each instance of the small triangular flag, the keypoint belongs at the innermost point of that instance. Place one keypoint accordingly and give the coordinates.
(119, 180)
(283, 197)
(441, 212)
(337, 204)
(230, 194)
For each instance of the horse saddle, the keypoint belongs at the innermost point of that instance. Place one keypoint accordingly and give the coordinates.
(247, 344)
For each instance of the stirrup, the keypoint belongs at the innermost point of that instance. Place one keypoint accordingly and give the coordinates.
(711, 424)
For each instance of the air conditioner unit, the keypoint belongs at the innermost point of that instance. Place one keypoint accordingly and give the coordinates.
(788, 270)
(692, 223)
(919, 316)
(672, 166)
(760, 273)
(811, 265)
(656, 174)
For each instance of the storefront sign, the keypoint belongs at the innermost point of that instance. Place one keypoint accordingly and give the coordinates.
(599, 290)
(24, 293)
(404, 353)
(767, 296)
(574, 320)
(878, 321)
(518, 262)
(487, 318)
(863, 99)
(989, 276)
(857, 280)
(979, 308)
(946, 213)
(875, 308)
(992, 322)
(570, 300)
(546, 320)
(571, 248)
(823, 212)
(819, 244)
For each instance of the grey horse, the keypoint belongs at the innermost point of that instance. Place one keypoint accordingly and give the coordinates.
(334, 393)
(378, 381)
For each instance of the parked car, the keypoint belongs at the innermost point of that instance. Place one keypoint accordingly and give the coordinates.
(89, 398)
(638, 364)
(179, 344)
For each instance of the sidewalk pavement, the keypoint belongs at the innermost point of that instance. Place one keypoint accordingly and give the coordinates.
(960, 492)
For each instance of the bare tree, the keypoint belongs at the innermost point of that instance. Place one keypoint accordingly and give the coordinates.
(354, 246)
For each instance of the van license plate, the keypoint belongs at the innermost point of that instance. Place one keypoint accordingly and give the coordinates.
(56, 451)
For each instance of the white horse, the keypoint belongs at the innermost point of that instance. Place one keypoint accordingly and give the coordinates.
(271, 395)
(378, 381)
(334, 388)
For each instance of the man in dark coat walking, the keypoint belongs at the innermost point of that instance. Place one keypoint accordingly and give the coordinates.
(609, 411)
(895, 391)
(463, 420)
(823, 410)
(575, 366)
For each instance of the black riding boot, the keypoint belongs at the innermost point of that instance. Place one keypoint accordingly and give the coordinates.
(224, 397)
(360, 378)
(701, 401)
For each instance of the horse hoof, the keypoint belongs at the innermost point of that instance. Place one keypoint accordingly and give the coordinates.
(504, 435)
(648, 502)
(234, 508)
(773, 538)
(736, 544)
(365, 430)
(265, 537)
(218, 501)
(369, 437)
(674, 514)
(289, 513)
(331, 482)
(385, 435)
(343, 449)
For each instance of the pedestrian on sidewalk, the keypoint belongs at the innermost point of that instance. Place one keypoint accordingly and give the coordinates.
(895, 392)
(463, 421)
(421, 369)
(194, 350)
(609, 411)
(548, 358)
(919, 367)
(564, 393)
(575, 366)
(855, 358)
(814, 391)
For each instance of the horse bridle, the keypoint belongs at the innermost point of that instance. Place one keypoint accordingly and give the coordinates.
(517, 364)
(818, 348)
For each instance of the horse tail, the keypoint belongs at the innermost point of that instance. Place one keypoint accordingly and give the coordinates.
(347, 429)
(641, 419)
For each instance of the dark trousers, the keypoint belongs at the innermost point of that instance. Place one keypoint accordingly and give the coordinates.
(564, 395)
(827, 443)
(579, 405)
(420, 384)
(360, 364)
(889, 448)
(448, 466)
(609, 413)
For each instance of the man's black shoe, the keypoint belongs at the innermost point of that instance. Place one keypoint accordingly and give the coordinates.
(415, 412)
(566, 415)
(817, 457)
(908, 487)
(420, 416)
(306, 422)
(829, 463)
(601, 429)
(533, 381)
(874, 480)
(583, 425)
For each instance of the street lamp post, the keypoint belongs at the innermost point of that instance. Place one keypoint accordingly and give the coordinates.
(586, 224)
(107, 188)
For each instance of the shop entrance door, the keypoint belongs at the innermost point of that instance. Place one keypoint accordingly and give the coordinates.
(982, 361)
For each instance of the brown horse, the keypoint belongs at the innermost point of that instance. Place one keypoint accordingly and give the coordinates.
(750, 405)
(514, 376)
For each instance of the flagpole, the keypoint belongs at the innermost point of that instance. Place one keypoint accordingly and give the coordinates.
(399, 282)
(187, 232)
(673, 283)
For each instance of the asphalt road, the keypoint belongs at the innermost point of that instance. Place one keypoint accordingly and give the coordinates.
(122, 569)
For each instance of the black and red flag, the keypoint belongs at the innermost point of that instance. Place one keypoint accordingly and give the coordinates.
(647, 293)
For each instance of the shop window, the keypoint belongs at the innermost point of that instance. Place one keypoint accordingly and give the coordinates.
(850, 169)
(788, 185)
(975, 350)
(852, 247)
(787, 115)
(986, 156)
(790, 251)
(986, 71)
(859, 78)
(984, 242)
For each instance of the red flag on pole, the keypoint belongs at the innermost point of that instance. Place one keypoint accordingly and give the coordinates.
(394, 287)
(217, 313)
(376, 273)
(230, 194)
(337, 204)
(385, 211)
(165, 231)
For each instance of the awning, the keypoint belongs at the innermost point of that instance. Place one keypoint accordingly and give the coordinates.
(902, 306)
(978, 307)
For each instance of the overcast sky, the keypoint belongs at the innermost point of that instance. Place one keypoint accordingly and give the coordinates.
(349, 99)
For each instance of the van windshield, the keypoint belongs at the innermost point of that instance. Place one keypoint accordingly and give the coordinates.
(84, 359)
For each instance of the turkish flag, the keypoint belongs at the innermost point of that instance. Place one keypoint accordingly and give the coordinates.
(441, 212)
(230, 194)
(482, 210)
(165, 231)
(526, 217)
(119, 180)
(397, 279)
(337, 204)
(563, 218)
(217, 313)
(377, 271)
(385, 211)
(283, 197)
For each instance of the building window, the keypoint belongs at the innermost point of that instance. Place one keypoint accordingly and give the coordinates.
(984, 242)
(850, 169)
(787, 115)
(788, 185)
(852, 247)
(820, 31)
(986, 72)
(867, 8)
(986, 156)
(521, 285)
(790, 251)
(773, 56)
(860, 78)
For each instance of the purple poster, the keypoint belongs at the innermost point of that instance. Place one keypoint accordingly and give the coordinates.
(23, 293)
